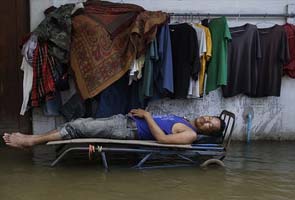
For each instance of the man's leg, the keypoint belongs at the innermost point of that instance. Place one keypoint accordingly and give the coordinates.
(20, 140)
(114, 127)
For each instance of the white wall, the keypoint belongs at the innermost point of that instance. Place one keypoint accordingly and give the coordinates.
(36, 11)
(274, 117)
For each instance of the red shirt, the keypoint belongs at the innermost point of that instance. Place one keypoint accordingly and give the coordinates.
(289, 68)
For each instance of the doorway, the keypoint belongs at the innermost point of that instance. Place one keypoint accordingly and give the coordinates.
(15, 24)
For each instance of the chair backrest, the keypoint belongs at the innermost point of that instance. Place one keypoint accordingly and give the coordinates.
(229, 119)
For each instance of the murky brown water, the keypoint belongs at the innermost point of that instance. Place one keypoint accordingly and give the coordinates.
(261, 171)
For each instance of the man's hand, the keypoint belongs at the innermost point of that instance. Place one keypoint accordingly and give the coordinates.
(139, 113)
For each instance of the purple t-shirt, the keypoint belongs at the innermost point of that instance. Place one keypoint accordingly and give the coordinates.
(165, 122)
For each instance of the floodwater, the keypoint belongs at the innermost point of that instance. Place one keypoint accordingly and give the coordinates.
(259, 171)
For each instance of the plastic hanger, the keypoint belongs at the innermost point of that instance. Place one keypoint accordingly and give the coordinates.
(242, 27)
(200, 19)
(264, 23)
(195, 19)
(175, 20)
(238, 18)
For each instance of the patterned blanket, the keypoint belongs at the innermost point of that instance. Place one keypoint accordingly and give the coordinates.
(115, 17)
(98, 60)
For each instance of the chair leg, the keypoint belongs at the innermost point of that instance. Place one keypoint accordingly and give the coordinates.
(186, 158)
(139, 165)
(67, 151)
(104, 160)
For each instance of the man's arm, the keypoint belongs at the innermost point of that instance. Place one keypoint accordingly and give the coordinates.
(182, 137)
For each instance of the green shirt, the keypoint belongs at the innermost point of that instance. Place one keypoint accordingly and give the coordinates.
(217, 69)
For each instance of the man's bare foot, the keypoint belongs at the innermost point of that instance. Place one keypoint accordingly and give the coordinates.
(18, 140)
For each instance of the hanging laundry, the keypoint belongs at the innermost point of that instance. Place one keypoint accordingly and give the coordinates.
(42, 72)
(186, 62)
(114, 99)
(27, 84)
(73, 108)
(146, 86)
(163, 68)
(52, 106)
(201, 35)
(193, 90)
(135, 72)
(205, 22)
(43, 87)
(56, 29)
(289, 68)
(217, 69)
(196, 87)
(28, 49)
(118, 98)
(275, 53)
(243, 55)
(205, 59)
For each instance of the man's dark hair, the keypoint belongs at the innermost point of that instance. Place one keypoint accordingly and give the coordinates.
(218, 133)
(222, 125)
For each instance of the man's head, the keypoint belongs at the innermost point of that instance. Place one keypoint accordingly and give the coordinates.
(210, 125)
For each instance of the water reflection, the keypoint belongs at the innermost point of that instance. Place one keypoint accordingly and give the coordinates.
(257, 171)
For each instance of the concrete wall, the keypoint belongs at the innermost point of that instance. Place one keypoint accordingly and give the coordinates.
(274, 117)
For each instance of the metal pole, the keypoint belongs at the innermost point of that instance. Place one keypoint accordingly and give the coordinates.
(249, 125)
(67, 151)
(249, 15)
(139, 165)
(104, 160)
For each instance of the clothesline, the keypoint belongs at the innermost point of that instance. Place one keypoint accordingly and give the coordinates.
(245, 15)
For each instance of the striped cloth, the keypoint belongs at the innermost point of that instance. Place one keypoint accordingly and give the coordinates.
(44, 75)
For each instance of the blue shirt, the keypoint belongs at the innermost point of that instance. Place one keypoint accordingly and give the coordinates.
(165, 122)
(163, 69)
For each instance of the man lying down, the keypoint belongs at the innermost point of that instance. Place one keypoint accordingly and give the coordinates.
(138, 124)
